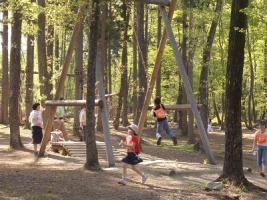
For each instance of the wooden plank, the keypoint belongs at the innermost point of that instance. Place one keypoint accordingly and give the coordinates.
(98, 102)
(155, 72)
(187, 86)
(176, 107)
(157, 2)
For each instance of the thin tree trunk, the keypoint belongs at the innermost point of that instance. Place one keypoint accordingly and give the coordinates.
(15, 67)
(5, 70)
(57, 59)
(78, 79)
(124, 62)
(41, 48)
(233, 134)
(29, 78)
(158, 84)
(191, 137)
(91, 150)
(251, 86)
(142, 55)
(203, 85)
(135, 81)
(50, 61)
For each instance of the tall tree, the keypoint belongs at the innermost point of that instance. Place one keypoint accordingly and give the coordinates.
(15, 68)
(158, 84)
(29, 77)
(41, 47)
(78, 78)
(5, 68)
(141, 45)
(203, 85)
(233, 163)
(123, 95)
(91, 150)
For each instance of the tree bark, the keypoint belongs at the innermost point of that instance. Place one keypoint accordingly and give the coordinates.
(141, 61)
(29, 78)
(78, 78)
(91, 150)
(15, 67)
(158, 84)
(5, 70)
(233, 163)
(50, 61)
(251, 85)
(135, 81)
(41, 48)
(203, 85)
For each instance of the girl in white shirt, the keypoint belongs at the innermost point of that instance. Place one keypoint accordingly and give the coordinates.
(36, 121)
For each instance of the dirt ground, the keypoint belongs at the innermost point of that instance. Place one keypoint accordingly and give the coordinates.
(174, 172)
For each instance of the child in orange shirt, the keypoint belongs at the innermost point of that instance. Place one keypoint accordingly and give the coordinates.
(131, 143)
(260, 141)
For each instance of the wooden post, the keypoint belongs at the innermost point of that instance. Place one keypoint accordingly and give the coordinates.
(103, 111)
(154, 73)
(187, 86)
(52, 110)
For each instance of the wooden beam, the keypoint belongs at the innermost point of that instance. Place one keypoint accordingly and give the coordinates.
(52, 110)
(154, 73)
(202, 131)
(98, 102)
(177, 107)
(157, 2)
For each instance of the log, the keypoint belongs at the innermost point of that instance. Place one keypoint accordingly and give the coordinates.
(157, 2)
(98, 102)
(177, 107)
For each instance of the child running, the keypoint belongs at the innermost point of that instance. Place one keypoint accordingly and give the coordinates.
(36, 121)
(132, 145)
(261, 141)
(162, 123)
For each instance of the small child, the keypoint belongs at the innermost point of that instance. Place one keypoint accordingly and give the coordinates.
(162, 123)
(36, 121)
(261, 151)
(131, 143)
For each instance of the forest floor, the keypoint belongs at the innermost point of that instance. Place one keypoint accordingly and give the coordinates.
(175, 172)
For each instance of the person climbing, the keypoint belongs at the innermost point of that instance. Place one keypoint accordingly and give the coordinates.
(162, 123)
(132, 145)
(260, 145)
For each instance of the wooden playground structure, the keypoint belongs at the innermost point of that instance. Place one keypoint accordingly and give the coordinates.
(101, 102)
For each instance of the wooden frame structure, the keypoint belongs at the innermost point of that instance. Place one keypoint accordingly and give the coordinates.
(166, 33)
(169, 33)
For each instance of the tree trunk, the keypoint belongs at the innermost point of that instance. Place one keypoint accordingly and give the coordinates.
(135, 81)
(191, 137)
(5, 69)
(216, 111)
(251, 85)
(142, 55)
(57, 59)
(124, 63)
(15, 67)
(50, 62)
(78, 79)
(182, 95)
(41, 48)
(158, 84)
(29, 78)
(233, 163)
(91, 150)
(203, 85)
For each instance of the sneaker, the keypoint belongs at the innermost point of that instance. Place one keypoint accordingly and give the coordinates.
(174, 140)
(144, 178)
(159, 141)
(122, 182)
(262, 174)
